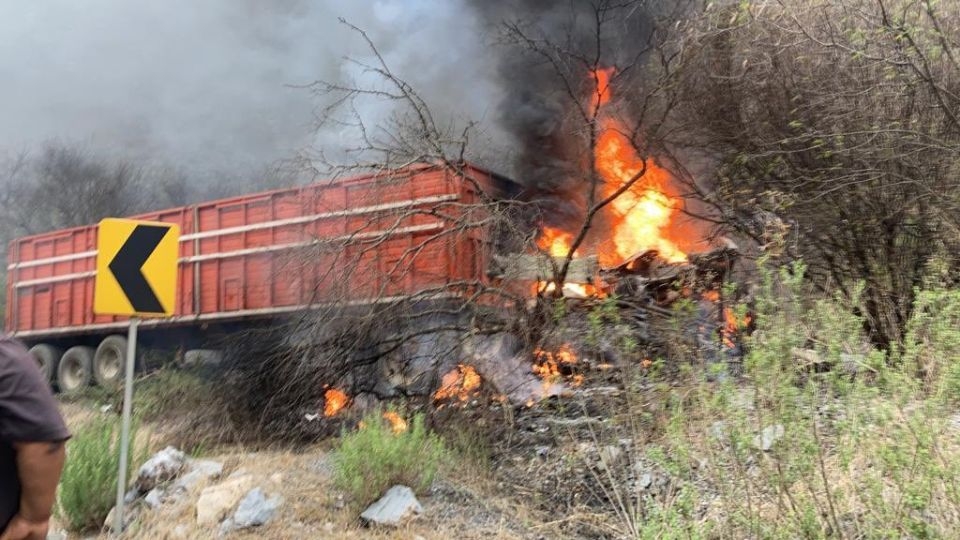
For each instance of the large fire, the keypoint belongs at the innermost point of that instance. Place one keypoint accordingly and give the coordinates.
(602, 79)
(555, 242)
(642, 213)
(574, 290)
(640, 216)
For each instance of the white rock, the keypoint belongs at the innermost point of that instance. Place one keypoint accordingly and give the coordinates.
(719, 430)
(154, 498)
(645, 481)
(216, 501)
(227, 526)
(164, 466)
(255, 509)
(129, 516)
(199, 470)
(397, 504)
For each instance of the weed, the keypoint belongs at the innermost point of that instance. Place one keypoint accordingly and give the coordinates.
(374, 457)
(88, 486)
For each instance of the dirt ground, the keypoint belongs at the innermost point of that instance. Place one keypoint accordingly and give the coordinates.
(463, 504)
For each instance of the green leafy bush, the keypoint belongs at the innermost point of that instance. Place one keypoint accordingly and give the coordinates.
(88, 486)
(376, 456)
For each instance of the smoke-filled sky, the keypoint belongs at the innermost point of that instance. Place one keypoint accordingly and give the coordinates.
(204, 86)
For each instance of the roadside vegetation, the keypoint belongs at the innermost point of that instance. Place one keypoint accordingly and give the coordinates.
(88, 487)
(381, 453)
(822, 436)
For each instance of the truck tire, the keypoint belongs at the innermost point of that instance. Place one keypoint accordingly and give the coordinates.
(47, 357)
(75, 370)
(110, 361)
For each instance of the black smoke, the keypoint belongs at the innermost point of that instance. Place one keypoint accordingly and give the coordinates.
(538, 109)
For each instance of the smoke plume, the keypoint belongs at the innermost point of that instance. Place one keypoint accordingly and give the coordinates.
(215, 88)
(536, 109)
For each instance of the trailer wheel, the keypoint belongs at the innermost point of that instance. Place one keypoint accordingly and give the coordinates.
(109, 362)
(74, 372)
(47, 357)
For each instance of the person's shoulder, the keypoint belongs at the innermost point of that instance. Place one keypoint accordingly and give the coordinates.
(12, 351)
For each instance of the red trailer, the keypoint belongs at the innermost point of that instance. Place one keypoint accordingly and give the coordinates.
(249, 259)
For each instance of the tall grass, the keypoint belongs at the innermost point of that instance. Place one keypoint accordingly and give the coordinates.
(88, 486)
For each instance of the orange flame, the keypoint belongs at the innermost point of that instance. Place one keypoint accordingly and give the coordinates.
(397, 423)
(335, 401)
(547, 365)
(642, 213)
(460, 384)
(733, 324)
(555, 242)
(602, 78)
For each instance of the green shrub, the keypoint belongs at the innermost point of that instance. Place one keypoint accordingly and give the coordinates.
(88, 486)
(373, 458)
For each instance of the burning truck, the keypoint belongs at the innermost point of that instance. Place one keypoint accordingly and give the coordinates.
(422, 243)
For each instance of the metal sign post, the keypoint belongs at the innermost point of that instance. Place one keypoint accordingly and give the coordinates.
(125, 428)
(137, 277)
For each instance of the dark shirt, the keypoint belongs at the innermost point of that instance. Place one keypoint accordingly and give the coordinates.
(28, 413)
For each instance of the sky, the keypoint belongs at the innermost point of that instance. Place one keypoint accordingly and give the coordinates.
(214, 87)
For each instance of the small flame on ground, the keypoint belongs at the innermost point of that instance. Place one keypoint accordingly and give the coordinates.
(732, 325)
(397, 423)
(548, 363)
(334, 401)
(460, 384)
(712, 295)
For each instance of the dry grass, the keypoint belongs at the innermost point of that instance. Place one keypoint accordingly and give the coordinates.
(312, 508)
(468, 502)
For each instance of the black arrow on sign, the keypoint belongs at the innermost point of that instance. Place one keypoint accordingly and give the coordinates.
(127, 267)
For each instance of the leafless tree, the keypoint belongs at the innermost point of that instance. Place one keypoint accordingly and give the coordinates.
(841, 118)
(72, 188)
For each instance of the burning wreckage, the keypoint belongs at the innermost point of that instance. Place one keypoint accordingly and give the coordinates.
(636, 258)
(643, 290)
